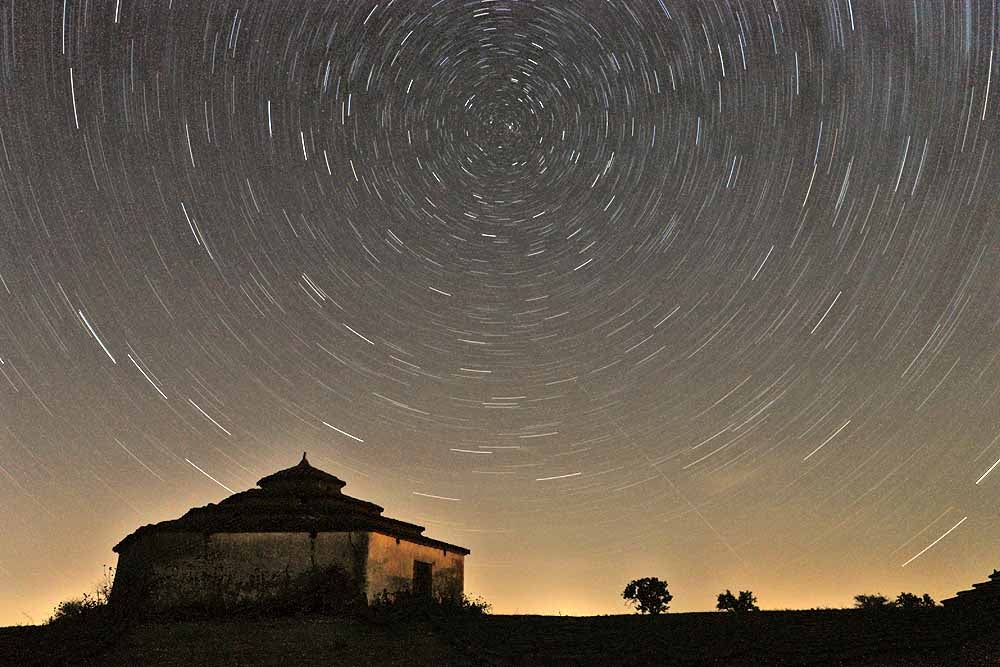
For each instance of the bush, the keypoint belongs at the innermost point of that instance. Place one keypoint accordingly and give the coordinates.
(911, 601)
(746, 602)
(475, 607)
(404, 604)
(76, 608)
(330, 590)
(648, 595)
(89, 605)
(873, 602)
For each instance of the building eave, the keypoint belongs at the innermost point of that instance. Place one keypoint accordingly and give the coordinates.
(168, 527)
(426, 541)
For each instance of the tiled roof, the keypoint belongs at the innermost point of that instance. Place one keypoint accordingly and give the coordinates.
(302, 477)
(297, 499)
(985, 592)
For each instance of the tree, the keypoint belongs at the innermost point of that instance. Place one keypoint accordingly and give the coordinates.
(747, 601)
(911, 601)
(649, 595)
(871, 602)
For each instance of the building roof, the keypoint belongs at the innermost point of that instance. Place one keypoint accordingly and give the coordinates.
(297, 499)
(985, 592)
(303, 477)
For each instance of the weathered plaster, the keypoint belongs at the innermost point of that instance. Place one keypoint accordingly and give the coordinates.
(169, 570)
(390, 567)
(348, 550)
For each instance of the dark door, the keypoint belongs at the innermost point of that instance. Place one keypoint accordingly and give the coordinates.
(422, 578)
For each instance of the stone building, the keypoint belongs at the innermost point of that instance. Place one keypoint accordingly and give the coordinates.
(264, 542)
(983, 594)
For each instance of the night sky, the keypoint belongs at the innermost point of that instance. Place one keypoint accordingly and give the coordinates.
(702, 290)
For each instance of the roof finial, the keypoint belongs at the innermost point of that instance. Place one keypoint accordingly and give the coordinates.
(304, 461)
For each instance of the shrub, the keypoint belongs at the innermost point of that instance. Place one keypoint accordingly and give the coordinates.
(329, 590)
(88, 605)
(648, 595)
(911, 601)
(475, 607)
(76, 608)
(873, 602)
(746, 602)
(405, 605)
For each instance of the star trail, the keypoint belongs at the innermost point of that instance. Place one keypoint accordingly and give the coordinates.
(601, 289)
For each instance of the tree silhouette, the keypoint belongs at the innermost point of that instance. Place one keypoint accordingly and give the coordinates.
(747, 601)
(870, 602)
(649, 595)
(911, 601)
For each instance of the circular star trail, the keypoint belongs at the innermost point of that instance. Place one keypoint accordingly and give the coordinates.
(599, 289)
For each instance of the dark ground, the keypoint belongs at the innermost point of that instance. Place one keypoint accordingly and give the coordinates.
(822, 637)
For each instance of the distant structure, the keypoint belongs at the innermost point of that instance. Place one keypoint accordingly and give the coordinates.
(983, 594)
(257, 543)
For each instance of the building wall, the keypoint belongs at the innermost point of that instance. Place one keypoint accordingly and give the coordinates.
(150, 564)
(390, 567)
(171, 570)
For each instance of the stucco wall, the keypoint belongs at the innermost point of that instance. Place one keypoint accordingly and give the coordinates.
(150, 558)
(390, 567)
(169, 570)
(345, 549)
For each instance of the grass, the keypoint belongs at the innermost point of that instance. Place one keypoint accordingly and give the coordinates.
(823, 637)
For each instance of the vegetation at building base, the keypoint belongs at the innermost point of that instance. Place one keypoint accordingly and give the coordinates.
(328, 591)
(89, 605)
(404, 604)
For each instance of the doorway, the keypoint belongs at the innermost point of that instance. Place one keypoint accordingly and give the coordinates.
(422, 577)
